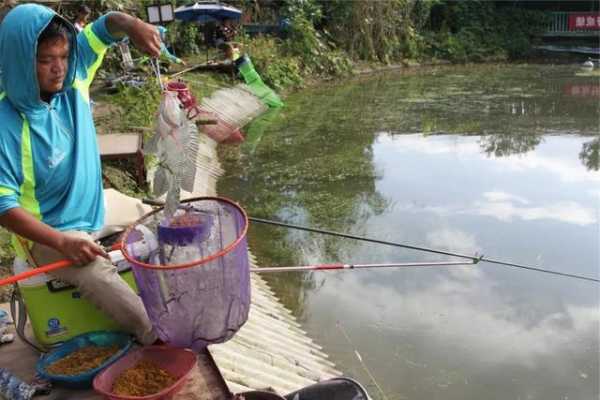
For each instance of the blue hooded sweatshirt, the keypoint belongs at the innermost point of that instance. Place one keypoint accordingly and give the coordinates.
(49, 159)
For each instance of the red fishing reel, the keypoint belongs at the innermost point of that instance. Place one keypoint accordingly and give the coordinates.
(187, 99)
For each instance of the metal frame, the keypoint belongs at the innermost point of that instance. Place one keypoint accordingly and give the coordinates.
(159, 8)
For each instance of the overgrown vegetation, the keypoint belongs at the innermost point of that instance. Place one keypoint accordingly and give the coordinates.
(137, 105)
(481, 31)
(325, 38)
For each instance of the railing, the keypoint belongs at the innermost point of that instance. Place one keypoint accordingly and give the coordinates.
(573, 24)
(558, 23)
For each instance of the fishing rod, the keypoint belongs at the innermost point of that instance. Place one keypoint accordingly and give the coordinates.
(317, 267)
(421, 248)
(144, 247)
(474, 258)
(114, 254)
(339, 266)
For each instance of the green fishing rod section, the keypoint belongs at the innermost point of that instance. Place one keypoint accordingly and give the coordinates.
(255, 83)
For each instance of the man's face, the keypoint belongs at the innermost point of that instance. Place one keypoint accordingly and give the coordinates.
(52, 64)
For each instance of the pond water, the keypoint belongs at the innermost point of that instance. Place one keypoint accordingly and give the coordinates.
(495, 160)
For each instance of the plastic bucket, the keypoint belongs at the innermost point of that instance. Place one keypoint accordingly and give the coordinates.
(197, 230)
(341, 388)
(261, 395)
(177, 362)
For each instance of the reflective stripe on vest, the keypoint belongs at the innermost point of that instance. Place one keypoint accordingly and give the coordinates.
(27, 198)
(100, 49)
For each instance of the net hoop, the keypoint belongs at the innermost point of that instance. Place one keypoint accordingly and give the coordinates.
(205, 260)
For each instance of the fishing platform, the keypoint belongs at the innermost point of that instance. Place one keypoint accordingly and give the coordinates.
(270, 352)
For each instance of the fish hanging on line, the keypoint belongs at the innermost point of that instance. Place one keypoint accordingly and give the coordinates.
(175, 146)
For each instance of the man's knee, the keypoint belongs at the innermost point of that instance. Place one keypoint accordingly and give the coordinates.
(99, 275)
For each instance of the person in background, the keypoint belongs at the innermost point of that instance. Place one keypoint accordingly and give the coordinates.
(81, 20)
(225, 32)
(232, 51)
(51, 194)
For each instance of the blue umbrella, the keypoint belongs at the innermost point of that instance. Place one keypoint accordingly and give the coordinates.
(201, 12)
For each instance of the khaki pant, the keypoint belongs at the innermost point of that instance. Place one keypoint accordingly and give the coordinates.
(99, 282)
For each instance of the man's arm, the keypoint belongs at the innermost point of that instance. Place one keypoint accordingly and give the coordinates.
(143, 36)
(80, 251)
(98, 36)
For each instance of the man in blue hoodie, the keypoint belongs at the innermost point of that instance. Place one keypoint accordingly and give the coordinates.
(51, 194)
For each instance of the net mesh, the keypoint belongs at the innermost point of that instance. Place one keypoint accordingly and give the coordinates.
(193, 271)
(232, 108)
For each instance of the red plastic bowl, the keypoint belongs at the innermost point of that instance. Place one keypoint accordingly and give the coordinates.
(178, 362)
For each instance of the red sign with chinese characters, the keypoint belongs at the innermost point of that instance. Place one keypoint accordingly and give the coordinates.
(586, 90)
(584, 21)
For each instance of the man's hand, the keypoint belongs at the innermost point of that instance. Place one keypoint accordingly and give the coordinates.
(80, 251)
(143, 36)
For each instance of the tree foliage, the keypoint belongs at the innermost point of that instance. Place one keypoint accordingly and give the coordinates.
(481, 30)
(392, 30)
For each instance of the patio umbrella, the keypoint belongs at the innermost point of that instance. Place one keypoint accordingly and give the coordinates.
(202, 12)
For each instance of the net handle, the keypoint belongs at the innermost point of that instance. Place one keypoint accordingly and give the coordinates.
(205, 260)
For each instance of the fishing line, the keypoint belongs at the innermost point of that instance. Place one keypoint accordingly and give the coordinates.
(156, 68)
(360, 360)
(420, 248)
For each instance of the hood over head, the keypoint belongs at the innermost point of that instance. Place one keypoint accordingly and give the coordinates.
(19, 34)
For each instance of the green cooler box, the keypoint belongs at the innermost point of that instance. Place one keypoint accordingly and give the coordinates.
(57, 311)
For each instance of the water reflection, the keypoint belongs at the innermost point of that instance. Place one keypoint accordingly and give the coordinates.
(550, 164)
(462, 339)
(507, 144)
(505, 163)
(590, 154)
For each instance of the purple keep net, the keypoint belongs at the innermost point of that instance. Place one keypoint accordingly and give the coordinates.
(192, 270)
